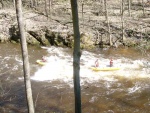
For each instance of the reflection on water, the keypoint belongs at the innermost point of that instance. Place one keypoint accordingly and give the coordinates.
(123, 91)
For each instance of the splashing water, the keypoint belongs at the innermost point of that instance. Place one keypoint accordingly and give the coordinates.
(60, 67)
(105, 91)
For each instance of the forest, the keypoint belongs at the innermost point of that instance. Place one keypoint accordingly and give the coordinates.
(103, 23)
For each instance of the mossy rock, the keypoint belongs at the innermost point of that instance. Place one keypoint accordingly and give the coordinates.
(31, 40)
(39, 35)
(86, 42)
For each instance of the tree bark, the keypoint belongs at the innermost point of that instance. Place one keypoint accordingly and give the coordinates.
(120, 7)
(25, 59)
(35, 4)
(103, 5)
(50, 7)
(76, 57)
(129, 7)
(122, 20)
(14, 3)
(82, 8)
(82, 12)
(46, 12)
(143, 7)
(31, 3)
(108, 25)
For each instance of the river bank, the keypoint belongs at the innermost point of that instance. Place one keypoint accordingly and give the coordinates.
(57, 29)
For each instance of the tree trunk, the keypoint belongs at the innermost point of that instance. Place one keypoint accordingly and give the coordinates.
(35, 3)
(14, 3)
(50, 7)
(108, 25)
(103, 5)
(122, 20)
(31, 3)
(120, 7)
(76, 57)
(26, 67)
(82, 8)
(82, 13)
(129, 7)
(143, 7)
(46, 12)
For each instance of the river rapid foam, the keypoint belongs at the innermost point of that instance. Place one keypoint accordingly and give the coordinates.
(60, 67)
(125, 90)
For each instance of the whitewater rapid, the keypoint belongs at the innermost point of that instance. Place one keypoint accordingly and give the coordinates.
(60, 67)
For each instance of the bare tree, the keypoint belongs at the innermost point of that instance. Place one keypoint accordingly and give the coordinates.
(107, 21)
(143, 7)
(25, 58)
(122, 20)
(120, 6)
(82, 3)
(46, 12)
(82, 8)
(35, 3)
(103, 5)
(76, 57)
(129, 7)
(31, 3)
(50, 7)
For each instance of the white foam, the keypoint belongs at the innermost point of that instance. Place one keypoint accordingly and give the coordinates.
(59, 67)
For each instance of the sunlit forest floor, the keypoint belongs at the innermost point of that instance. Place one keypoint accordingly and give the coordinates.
(92, 20)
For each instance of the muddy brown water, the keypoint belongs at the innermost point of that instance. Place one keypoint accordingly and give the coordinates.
(58, 97)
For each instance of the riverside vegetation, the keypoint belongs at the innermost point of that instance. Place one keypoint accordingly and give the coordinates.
(103, 23)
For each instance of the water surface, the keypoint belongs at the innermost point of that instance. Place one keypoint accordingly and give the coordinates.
(122, 91)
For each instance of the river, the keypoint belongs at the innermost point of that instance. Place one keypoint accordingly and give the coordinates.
(123, 91)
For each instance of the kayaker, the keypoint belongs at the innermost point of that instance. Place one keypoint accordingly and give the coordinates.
(97, 63)
(44, 59)
(111, 62)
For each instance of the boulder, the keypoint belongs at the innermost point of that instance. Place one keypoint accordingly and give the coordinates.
(15, 36)
(39, 35)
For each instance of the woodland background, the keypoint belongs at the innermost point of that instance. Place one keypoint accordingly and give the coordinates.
(103, 23)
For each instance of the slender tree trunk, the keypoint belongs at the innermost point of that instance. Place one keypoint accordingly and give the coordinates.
(26, 67)
(50, 7)
(35, 3)
(100, 9)
(31, 3)
(108, 25)
(141, 31)
(103, 5)
(14, 3)
(82, 13)
(120, 6)
(143, 7)
(122, 20)
(82, 8)
(129, 7)
(46, 12)
(76, 57)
